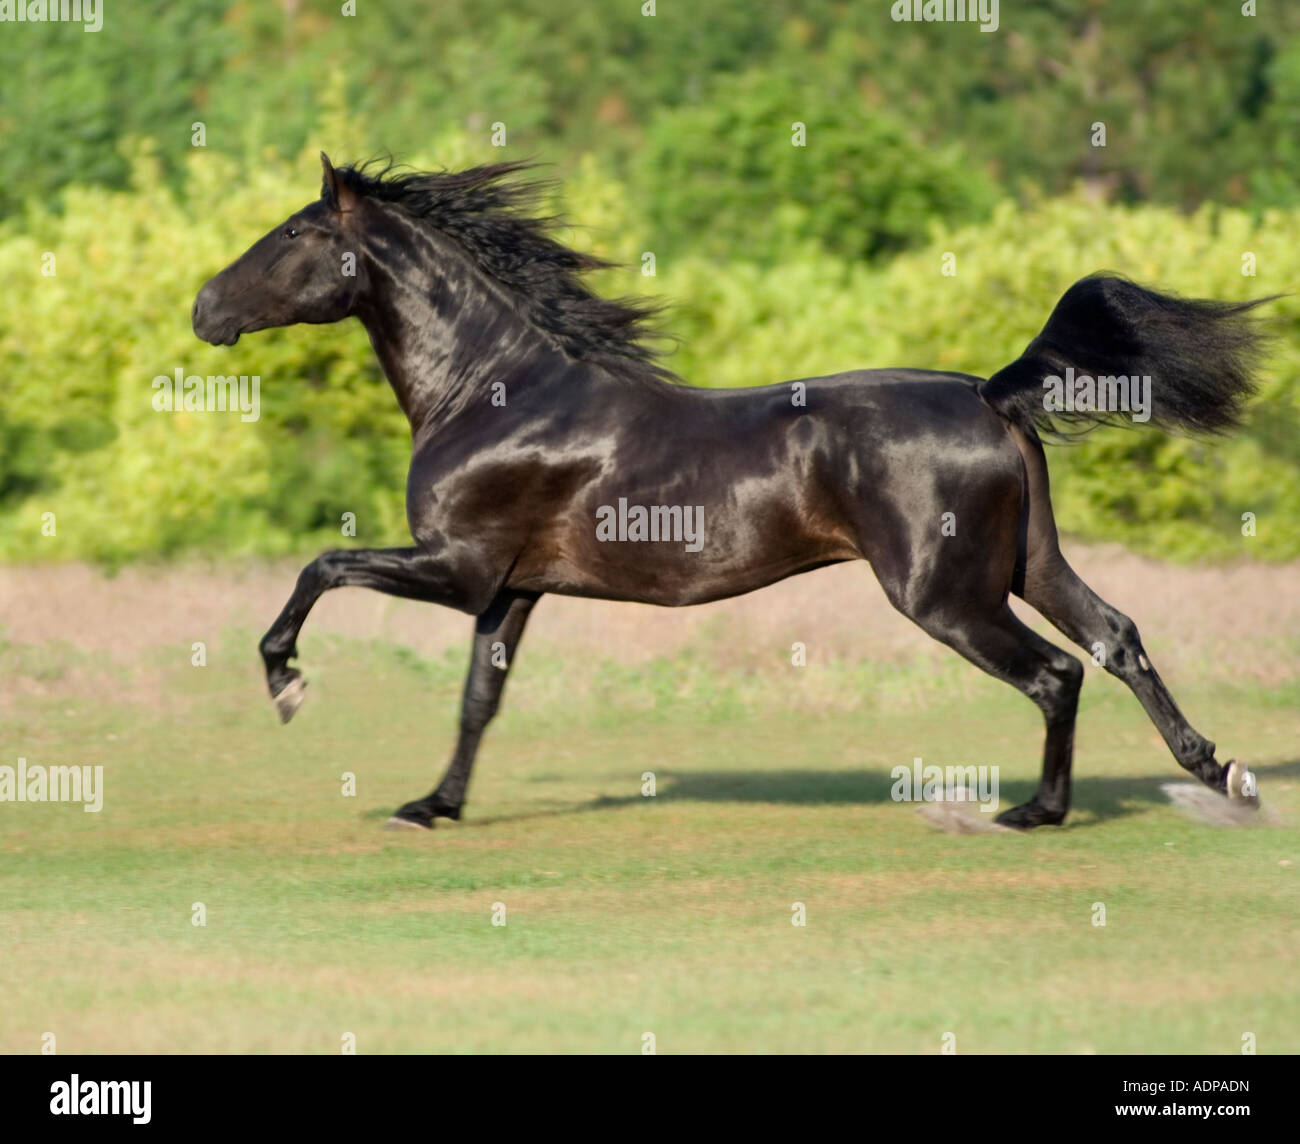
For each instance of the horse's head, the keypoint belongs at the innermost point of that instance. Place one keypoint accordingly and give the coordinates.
(304, 270)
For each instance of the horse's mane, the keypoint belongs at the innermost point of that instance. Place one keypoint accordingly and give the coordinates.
(490, 214)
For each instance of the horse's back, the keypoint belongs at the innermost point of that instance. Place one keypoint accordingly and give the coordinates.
(892, 405)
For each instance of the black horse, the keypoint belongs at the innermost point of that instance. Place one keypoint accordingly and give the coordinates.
(547, 444)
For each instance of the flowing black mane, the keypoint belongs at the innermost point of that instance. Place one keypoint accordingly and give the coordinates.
(489, 213)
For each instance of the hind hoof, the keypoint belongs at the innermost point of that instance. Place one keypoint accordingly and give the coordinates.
(1241, 786)
(290, 699)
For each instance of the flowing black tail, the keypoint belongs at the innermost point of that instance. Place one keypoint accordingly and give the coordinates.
(1200, 357)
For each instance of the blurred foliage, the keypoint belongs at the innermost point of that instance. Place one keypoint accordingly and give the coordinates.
(856, 180)
(1199, 100)
(80, 349)
(673, 134)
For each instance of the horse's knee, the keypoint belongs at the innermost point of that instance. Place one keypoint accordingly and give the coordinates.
(323, 572)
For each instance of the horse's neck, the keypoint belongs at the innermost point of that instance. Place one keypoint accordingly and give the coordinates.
(444, 335)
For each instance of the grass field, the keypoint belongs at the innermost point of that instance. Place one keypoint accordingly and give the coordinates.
(625, 915)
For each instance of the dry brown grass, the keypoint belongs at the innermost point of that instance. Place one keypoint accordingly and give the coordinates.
(1235, 622)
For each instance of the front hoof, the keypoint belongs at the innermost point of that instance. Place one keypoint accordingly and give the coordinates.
(1240, 785)
(398, 823)
(1030, 814)
(290, 697)
(412, 816)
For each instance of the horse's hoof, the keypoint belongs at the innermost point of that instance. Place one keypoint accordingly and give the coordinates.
(1029, 815)
(290, 699)
(1241, 785)
(396, 823)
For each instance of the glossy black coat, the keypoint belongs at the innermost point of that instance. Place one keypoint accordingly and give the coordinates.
(534, 406)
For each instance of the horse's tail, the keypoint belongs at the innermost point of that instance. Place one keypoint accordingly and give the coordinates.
(1200, 358)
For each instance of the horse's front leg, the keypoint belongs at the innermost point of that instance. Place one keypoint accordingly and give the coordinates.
(410, 572)
(496, 636)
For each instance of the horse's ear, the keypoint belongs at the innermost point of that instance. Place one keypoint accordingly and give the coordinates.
(333, 189)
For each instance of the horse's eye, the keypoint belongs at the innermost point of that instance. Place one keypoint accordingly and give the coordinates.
(290, 232)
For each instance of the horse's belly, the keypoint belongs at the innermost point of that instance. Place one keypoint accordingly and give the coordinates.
(673, 575)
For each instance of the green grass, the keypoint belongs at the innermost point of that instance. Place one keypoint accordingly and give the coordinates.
(629, 915)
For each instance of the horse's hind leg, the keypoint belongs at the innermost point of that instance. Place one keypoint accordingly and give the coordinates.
(497, 633)
(1054, 588)
(1000, 644)
(955, 588)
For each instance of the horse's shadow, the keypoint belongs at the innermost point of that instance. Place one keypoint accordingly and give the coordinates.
(1096, 799)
